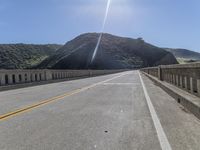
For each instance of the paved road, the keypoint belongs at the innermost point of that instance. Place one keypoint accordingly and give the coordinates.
(123, 111)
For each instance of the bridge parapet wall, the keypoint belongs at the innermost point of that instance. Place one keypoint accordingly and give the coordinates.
(184, 76)
(12, 77)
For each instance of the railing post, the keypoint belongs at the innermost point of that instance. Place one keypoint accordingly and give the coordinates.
(160, 73)
(198, 86)
(177, 82)
(10, 81)
(23, 78)
(181, 82)
(2, 78)
(174, 79)
(186, 84)
(191, 85)
(171, 78)
(28, 77)
(16, 78)
(48, 75)
(168, 77)
(33, 77)
(42, 75)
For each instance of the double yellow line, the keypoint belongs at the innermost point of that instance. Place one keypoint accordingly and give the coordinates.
(53, 99)
(39, 104)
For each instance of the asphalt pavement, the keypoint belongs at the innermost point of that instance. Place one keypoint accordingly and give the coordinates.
(123, 111)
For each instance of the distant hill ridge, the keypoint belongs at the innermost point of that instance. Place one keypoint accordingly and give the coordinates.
(114, 53)
(184, 55)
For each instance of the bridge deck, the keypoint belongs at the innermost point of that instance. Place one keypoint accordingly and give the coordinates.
(105, 113)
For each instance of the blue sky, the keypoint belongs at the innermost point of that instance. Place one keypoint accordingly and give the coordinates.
(165, 23)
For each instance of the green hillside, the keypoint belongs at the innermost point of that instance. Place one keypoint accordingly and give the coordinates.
(20, 56)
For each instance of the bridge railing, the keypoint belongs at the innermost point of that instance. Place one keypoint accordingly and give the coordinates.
(184, 76)
(12, 77)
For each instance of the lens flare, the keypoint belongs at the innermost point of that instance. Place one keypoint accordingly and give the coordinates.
(101, 33)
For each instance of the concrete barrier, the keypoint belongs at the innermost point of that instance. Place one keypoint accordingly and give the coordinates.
(182, 82)
(184, 76)
(17, 77)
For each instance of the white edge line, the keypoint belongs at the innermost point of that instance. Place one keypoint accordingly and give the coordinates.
(164, 143)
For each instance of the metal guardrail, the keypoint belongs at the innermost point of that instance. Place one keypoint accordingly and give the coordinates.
(184, 76)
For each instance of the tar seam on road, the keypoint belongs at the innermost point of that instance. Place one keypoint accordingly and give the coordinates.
(164, 143)
(53, 99)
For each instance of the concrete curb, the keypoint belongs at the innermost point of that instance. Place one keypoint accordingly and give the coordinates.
(187, 100)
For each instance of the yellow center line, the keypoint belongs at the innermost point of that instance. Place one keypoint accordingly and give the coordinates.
(53, 99)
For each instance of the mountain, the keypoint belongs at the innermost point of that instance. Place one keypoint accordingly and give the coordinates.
(20, 56)
(184, 55)
(114, 53)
